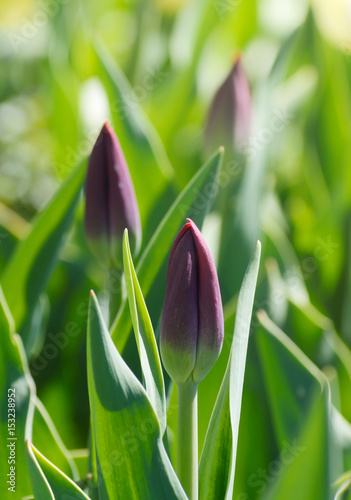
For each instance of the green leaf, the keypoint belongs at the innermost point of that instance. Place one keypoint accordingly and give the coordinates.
(48, 481)
(300, 404)
(343, 485)
(192, 202)
(145, 338)
(14, 381)
(131, 459)
(81, 459)
(46, 437)
(217, 464)
(29, 270)
(146, 157)
(32, 419)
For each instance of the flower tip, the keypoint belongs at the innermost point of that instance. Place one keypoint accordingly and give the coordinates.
(107, 129)
(237, 57)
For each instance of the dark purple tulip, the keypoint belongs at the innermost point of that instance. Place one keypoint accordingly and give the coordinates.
(229, 117)
(111, 205)
(192, 324)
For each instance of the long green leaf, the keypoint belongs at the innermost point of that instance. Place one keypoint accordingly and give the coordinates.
(145, 338)
(192, 202)
(29, 270)
(17, 384)
(217, 464)
(300, 403)
(48, 481)
(343, 486)
(31, 419)
(46, 437)
(131, 459)
(40, 484)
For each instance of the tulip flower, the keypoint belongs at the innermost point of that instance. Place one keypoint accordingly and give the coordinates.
(192, 320)
(229, 117)
(191, 339)
(111, 205)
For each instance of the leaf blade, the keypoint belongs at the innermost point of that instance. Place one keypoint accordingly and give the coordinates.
(131, 459)
(28, 272)
(217, 464)
(145, 338)
(49, 480)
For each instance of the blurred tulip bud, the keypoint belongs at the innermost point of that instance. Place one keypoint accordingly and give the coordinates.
(111, 205)
(192, 325)
(229, 117)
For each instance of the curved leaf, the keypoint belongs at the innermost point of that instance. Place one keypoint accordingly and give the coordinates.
(344, 487)
(29, 270)
(131, 459)
(46, 437)
(145, 338)
(301, 418)
(18, 385)
(48, 481)
(217, 464)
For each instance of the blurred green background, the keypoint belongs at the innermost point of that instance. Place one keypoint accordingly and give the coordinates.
(294, 194)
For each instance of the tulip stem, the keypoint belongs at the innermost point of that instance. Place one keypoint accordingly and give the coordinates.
(187, 440)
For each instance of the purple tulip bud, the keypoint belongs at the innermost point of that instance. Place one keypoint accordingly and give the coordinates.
(229, 117)
(111, 205)
(192, 325)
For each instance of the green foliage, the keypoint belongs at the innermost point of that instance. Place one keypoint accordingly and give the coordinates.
(28, 272)
(145, 339)
(48, 481)
(217, 464)
(132, 461)
(275, 410)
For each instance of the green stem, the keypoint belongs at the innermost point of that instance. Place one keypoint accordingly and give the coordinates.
(187, 446)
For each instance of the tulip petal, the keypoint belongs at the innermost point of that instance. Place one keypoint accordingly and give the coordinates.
(210, 310)
(179, 319)
(111, 205)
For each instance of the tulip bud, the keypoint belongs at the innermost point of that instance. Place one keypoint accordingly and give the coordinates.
(229, 117)
(192, 325)
(111, 205)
